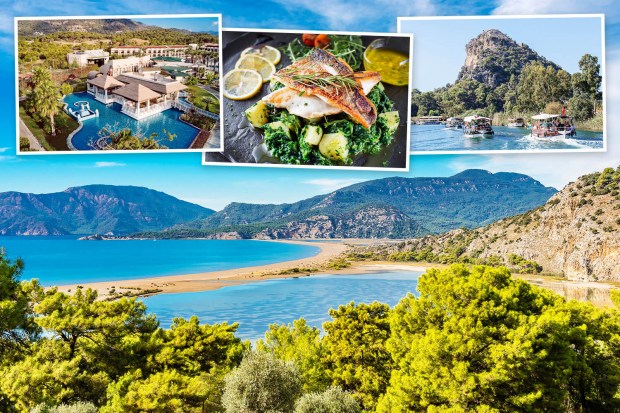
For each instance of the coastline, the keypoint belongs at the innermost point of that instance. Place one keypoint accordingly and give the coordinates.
(328, 250)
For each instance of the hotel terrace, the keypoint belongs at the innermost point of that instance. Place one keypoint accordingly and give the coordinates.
(141, 92)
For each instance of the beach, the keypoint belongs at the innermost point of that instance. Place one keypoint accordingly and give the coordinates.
(204, 281)
(329, 251)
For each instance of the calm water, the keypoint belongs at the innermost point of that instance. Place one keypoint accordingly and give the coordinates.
(438, 138)
(65, 260)
(257, 305)
(111, 116)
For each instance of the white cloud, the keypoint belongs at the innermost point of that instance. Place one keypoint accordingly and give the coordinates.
(6, 24)
(342, 14)
(328, 185)
(104, 164)
(4, 149)
(553, 6)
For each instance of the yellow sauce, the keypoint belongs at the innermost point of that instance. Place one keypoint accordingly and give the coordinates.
(393, 65)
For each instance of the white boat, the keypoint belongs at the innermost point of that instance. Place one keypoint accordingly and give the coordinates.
(454, 123)
(552, 126)
(429, 120)
(516, 123)
(477, 126)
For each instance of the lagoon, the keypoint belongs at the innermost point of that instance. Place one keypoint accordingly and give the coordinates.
(438, 138)
(66, 260)
(257, 305)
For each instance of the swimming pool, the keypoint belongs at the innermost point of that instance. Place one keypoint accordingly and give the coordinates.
(111, 116)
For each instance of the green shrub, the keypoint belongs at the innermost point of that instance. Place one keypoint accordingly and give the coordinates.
(332, 400)
(261, 383)
(79, 407)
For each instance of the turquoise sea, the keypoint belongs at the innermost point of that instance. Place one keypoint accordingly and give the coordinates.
(438, 138)
(65, 260)
(254, 306)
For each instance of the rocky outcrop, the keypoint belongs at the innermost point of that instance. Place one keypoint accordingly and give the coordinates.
(575, 234)
(493, 57)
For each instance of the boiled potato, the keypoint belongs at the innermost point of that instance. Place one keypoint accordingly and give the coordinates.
(314, 133)
(257, 114)
(392, 120)
(334, 146)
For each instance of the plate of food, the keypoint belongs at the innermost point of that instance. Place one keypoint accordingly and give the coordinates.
(338, 100)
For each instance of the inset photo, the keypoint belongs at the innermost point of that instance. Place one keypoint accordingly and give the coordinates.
(315, 99)
(507, 84)
(118, 84)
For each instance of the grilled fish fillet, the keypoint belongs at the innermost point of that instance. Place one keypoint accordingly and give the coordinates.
(305, 106)
(322, 66)
(312, 107)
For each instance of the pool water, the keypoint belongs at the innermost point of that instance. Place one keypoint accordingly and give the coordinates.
(438, 138)
(111, 116)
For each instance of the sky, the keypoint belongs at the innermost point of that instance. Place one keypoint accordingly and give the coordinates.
(183, 176)
(440, 44)
(194, 24)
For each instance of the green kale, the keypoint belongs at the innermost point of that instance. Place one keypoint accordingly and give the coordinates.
(281, 144)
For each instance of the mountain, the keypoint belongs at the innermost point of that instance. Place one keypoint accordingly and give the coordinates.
(391, 207)
(94, 209)
(492, 57)
(107, 26)
(575, 234)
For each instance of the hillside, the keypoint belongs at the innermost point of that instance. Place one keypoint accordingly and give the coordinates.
(385, 208)
(493, 57)
(575, 234)
(93, 209)
(27, 28)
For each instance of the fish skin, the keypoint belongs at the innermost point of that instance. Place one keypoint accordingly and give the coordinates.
(321, 63)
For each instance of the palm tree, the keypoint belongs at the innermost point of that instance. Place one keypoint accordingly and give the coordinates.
(47, 101)
(40, 75)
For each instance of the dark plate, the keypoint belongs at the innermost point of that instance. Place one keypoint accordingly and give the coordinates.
(240, 140)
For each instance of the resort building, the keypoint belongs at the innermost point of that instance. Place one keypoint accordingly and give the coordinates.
(154, 51)
(140, 94)
(130, 64)
(88, 57)
(211, 47)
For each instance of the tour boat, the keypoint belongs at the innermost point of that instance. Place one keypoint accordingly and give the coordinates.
(454, 123)
(545, 125)
(516, 123)
(477, 126)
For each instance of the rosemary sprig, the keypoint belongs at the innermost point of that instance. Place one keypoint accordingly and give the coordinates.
(321, 81)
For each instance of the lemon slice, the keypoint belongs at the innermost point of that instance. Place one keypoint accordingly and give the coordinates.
(260, 64)
(241, 84)
(268, 52)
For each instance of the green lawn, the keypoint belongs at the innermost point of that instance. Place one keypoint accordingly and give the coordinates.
(203, 99)
(65, 124)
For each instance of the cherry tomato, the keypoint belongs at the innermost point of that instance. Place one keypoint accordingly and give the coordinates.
(321, 41)
(308, 39)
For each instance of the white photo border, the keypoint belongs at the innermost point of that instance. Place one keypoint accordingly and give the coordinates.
(18, 152)
(347, 168)
(401, 19)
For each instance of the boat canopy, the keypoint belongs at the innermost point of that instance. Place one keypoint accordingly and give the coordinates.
(475, 117)
(430, 118)
(544, 116)
(515, 120)
(454, 119)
